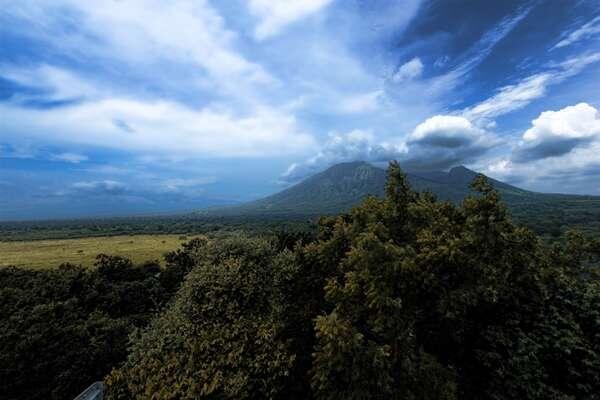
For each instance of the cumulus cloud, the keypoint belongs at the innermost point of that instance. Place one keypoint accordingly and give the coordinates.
(438, 143)
(443, 141)
(587, 30)
(275, 15)
(556, 133)
(356, 145)
(445, 131)
(560, 150)
(408, 71)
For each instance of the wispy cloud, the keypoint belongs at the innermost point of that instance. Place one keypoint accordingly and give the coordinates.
(161, 127)
(175, 184)
(274, 16)
(73, 158)
(364, 102)
(409, 70)
(47, 83)
(106, 187)
(513, 97)
(586, 31)
(142, 33)
(478, 52)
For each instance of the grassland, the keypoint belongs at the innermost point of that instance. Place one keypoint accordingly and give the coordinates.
(51, 253)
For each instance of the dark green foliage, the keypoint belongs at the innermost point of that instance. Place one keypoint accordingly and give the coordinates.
(457, 293)
(223, 337)
(61, 330)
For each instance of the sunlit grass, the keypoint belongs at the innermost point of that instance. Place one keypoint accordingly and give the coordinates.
(52, 253)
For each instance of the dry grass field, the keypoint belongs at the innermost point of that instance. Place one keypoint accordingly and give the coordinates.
(52, 253)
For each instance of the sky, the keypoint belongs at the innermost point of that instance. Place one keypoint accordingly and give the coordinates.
(115, 107)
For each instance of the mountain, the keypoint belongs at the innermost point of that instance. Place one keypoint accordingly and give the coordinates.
(344, 185)
(338, 188)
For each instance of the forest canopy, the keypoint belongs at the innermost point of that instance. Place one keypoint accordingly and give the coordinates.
(403, 297)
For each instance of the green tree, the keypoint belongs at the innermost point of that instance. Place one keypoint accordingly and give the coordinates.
(223, 337)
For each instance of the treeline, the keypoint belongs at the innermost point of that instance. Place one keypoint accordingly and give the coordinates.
(550, 219)
(191, 224)
(404, 297)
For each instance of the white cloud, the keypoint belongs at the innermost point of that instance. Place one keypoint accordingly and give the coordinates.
(161, 127)
(439, 142)
(57, 84)
(446, 131)
(69, 157)
(560, 150)
(357, 145)
(105, 187)
(578, 121)
(363, 102)
(443, 141)
(589, 29)
(510, 98)
(477, 53)
(176, 184)
(408, 71)
(513, 97)
(146, 32)
(556, 133)
(275, 15)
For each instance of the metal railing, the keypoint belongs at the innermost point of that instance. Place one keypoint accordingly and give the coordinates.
(94, 392)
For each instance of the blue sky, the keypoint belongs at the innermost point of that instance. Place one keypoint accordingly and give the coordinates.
(128, 106)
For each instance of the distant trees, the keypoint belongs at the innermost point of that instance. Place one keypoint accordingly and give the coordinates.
(403, 297)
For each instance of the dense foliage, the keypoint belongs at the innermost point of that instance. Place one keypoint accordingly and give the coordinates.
(62, 329)
(404, 297)
(191, 224)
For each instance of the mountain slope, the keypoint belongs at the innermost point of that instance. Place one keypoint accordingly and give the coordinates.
(338, 188)
(344, 185)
